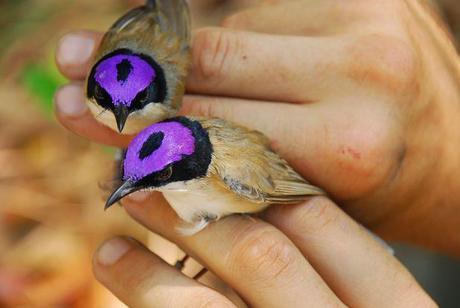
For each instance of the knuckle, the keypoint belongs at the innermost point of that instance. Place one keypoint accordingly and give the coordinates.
(369, 154)
(315, 216)
(378, 8)
(209, 300)
(214, 303)
(201, 299)
(262, 254)
(233, 20)
(213, 51)
(198, 107)
(208, 109)
(384, 61)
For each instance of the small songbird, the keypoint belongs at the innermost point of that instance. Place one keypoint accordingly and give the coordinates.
(139, 73)
(208, 169)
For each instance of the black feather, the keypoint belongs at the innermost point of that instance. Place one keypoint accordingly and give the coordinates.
(151, 145)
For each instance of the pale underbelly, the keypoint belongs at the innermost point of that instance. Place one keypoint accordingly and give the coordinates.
(136, 122)
(193, 205)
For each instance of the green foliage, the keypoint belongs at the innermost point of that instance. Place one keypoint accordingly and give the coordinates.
(42, 81)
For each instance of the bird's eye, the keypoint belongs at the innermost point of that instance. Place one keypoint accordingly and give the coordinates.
(98, 93)
(144, 97)
(164, 175)
(149, 95)
(102, 97)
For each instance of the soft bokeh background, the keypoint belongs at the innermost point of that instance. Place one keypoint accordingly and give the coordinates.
(51, 203)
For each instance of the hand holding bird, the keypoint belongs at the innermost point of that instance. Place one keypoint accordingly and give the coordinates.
(336, 97)
(358, 116)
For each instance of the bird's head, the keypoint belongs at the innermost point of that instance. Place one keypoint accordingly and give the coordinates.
(124, 82)
(175, 150)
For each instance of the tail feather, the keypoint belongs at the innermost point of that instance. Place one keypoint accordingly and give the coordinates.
(177, 15)
(171, 15)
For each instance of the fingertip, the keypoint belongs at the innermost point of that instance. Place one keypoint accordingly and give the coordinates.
(139, 278)
(112, 251)
(75, 51)
(136, 204)
(138, 197)
(73, 113)
(70, 101)
(117, 261)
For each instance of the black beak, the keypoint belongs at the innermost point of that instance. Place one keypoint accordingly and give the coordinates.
(121, 113)
(125, 189)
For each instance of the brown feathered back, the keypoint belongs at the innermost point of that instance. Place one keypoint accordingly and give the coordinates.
(246, 165)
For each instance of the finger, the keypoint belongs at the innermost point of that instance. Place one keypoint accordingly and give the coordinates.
(141, 279)
(350, 260)
(312, 17)
(72, 112)
(239, 64)
(296, 18)
(75, 52)
(326, 147)
(254, 258)
(322, 144)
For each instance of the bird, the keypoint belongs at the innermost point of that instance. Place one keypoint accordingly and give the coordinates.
(207, 169)
(139, 70)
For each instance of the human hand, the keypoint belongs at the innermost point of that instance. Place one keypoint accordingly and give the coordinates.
(308, 255)
(349, 94)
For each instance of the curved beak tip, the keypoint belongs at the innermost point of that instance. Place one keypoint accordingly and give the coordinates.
(125, 189)
(114, 198)
(108, 205)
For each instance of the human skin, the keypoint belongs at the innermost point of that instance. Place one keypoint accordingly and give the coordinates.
(362, 98)
(308, 255)
(451, 10)
(355, 105)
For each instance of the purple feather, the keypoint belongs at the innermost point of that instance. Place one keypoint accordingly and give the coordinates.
(178, 141)
(123, 77)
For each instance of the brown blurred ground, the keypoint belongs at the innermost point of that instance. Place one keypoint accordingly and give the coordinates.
(51, 206)
(51, 216)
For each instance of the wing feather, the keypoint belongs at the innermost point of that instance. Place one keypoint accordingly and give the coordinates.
(177, 16)
(246, 165)
(171, 16)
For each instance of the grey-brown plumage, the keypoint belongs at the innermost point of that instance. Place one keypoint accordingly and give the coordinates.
(158, 32)
(208, 169)
(245, 164)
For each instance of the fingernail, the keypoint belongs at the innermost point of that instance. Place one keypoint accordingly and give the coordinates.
(139, 196)
(113, 250)
(74, 49)
(70, 101)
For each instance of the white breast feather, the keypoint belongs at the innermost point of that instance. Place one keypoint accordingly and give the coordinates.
(196, 199)
(137, 121)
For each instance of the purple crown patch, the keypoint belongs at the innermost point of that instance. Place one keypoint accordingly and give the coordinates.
(123, 77)
(175, 141)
